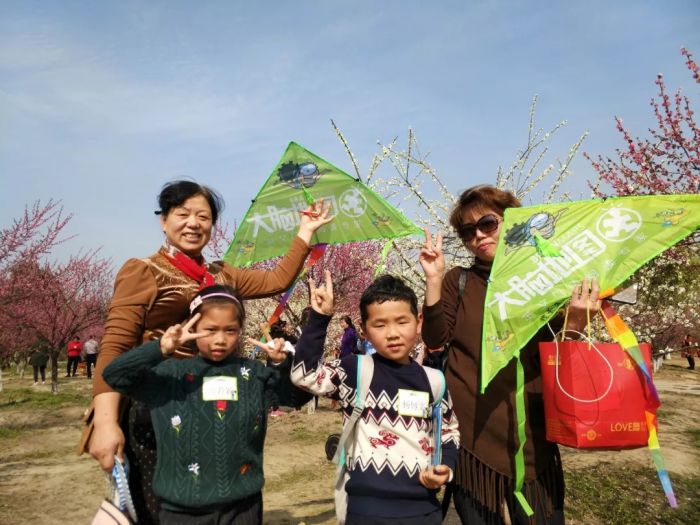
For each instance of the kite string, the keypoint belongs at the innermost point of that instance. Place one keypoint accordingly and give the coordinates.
(316, 254)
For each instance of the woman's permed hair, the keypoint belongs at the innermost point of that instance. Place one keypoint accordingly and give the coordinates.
(348, 321)
(387, 288)
(482, 196)
(218, 294)
(175, 193)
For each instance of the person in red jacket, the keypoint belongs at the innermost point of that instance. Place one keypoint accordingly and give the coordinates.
(75, 348)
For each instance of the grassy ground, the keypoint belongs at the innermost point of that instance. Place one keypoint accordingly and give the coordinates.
(43, 482)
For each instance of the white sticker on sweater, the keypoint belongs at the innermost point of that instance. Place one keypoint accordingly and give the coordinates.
(413, 403)
(220, 388)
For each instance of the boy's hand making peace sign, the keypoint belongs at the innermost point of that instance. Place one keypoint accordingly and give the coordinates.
(177, 335)
(322, 300)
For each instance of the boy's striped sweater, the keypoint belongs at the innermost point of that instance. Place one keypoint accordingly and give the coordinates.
(389, 450)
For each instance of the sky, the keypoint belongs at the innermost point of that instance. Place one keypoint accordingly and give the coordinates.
(101, 103)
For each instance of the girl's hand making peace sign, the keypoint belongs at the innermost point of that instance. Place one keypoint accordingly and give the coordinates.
(276, 349)
(322, 300)
(177, 335)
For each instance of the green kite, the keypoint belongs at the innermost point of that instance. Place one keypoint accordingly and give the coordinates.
(273, 219)
(543, 251)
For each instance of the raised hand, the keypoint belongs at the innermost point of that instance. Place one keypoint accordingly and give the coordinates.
(177, 335)
(322, 300)
(312, 218)
(431, 257)
(276, 349)
(434, 477)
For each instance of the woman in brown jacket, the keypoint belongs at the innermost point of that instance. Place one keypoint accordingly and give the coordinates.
(154, 293)
(488, 434)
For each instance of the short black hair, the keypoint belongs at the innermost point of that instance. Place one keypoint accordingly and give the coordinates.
(387, 288)
(174, 194)
(217, 294)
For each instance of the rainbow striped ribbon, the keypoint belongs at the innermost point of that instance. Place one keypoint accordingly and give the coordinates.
(622, 334)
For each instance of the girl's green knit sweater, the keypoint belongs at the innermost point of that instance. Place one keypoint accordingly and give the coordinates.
(210, 451)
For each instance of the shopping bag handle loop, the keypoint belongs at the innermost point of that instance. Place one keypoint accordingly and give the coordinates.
(591, 344)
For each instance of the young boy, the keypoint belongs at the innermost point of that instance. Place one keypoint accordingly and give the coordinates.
(389, 456)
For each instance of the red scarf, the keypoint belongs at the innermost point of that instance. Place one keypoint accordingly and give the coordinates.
(191, 268)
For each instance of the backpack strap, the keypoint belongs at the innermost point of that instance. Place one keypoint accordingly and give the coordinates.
(437, 386)
(365, 371)
(461, 284)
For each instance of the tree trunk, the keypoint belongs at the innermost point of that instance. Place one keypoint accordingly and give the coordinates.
(1, 384)
(54, 372)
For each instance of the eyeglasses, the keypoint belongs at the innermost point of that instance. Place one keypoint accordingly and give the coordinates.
(487, 224)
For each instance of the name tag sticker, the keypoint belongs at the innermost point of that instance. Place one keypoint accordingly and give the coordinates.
(413, 403)
(220, 388)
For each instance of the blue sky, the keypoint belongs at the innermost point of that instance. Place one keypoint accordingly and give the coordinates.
(103, 102)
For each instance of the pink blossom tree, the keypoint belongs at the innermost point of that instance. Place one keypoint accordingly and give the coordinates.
(667, 161)
(42, 299)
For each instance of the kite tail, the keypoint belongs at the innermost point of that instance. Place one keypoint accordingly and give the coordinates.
(519, 455)
(628, 341)
(659, 460)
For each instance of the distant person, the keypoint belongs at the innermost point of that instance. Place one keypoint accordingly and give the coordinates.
(208, 412)
(287, 394)
(688, 351)
(74, 349)
(91, 349)
(348, 342)
(38, 360)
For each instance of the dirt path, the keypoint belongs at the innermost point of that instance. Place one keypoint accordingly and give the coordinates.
(43, 482)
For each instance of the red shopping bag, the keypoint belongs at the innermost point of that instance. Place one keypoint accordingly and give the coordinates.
(594, 395)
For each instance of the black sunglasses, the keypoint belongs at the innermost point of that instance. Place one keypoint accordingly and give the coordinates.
(487, 224)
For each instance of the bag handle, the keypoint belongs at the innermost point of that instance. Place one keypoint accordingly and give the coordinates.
(591, 344)
(121, 495)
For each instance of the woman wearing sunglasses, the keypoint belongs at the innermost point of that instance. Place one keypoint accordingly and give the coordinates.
(485, 474)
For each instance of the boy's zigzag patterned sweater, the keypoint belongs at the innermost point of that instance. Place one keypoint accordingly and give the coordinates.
(389, 450)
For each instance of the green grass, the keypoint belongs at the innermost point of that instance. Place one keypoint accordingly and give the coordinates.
(629, 496)
(695, 436)
(665, 413)
(300, 432)
(10, 432)
(26, 398)
(298, 477)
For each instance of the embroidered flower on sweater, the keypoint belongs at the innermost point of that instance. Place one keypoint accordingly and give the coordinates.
(221, 409)
(194, 469)
(245, 373)
(175, 421)
(189, 377)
